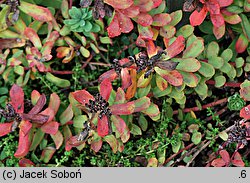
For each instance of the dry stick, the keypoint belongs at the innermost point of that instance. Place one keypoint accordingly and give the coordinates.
(203, 107)
(205, 145)
(87, 62)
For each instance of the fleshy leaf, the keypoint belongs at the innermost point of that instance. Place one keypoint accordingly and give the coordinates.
(131, 12)
(35, 95)
(33, 37)
(176, 47)
(111, 140)
(114, 28)
(103, 126)
(23, 145)
(125, 23)
(58, 139)
(237, 160)
(144, 19)
(66, 116)
(39, 105)
(161, 19)
(153, 112)
(83, 96)
(25, 163)
(141, 104)
(187, 64)
(241, 44)
(218, 162)
(120, 96)
(96, 145)
(37, 12)
(47, 154)
(219, 31)
(225, 156)
(245, 112)
(17, 98)
(123, 109)
(54, 102)
(105, 89)
(119, 123)
(122, 4)
(197, 18)
(173, 77)
(5, 128)
(194, 47)
(50, 127)
(110, 74)
(126, 79)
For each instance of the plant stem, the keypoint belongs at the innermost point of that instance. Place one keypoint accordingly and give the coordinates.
(212, 104)
(229, 84)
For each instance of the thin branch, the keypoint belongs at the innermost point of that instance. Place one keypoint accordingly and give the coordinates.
(229, 84)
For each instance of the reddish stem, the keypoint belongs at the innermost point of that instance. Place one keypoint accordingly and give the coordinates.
(70, 4)
(61, 72)
(203, 107)
(230, 84)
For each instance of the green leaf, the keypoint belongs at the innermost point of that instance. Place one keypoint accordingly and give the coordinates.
(223, 135)
(47, 154)
(194, 47)
(153, 112)
(226, 67)
(176, 17)
(66, 116)
(219, 81)
(142, 92)
(112, 141)
(143, 123)
(213, 49)
(3, 15)
(75, 13)
(239, 62)
(187, 64)
(63, 83)
(207, 69)
(135, 130)
(185, 31)
(19, 70)
(37, 138)
(196, 138)
(189, 79)
(3, 90)
(176, 146)
(216, 62)
(227, 54)
(79, 121)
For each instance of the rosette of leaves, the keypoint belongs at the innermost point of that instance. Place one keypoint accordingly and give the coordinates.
(235, 102)
(81, 21)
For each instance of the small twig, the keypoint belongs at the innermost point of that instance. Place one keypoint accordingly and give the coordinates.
(99, 63)
(212, 104)
(87, 62)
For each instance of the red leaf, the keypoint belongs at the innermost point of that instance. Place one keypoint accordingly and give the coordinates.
(245, 112)
(176, 47)
(17, 98)
(161, 19)
(145, 5)
(241, 44)
(140, 42)
(46, 49)
(50, 127)
(82, 96)
(131, 12)
(145, 32)
(5, 128)
(11, 43)
(74, 142)
(212, 6)
(126, 79)
(54, 102)
(37, 12)
(120, 96)
(25, 163)
(122, 4)
(218, 162)
(156, 3)
(144, 19)
(25, 126)
(96, 145)
(111, 75)
(217, 20)
(33, 37)
(151, 48)
(119, 123)
(173, 77)
(103, 126)
(39, 105)
(35, 95)
(196, 18)
(219, 31)
(48, 112)
(105, 89)
(225, 156)
(237, 160)
(23, 145)
(114, 28)
(123, 109)
(141, 104)
(224, 3)
(125, 23)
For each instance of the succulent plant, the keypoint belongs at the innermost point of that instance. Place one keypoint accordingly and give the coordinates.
(82, 21)
(235, 102)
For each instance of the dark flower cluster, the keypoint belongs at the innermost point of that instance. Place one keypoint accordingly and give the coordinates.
(238, 134)
(99, 105)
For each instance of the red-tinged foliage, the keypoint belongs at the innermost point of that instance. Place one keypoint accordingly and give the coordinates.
(5, 128)
(74, 142)
(122, 4)
(224, 3)
(119, 123)
(23, 145)
(114, 28)
(54, 102)
(48, 112)
(96, 145)
(217, 20)
(173, 77)
(151, 48)
(245, 112)
(123, 109)
(112, 141)
(176, 47)
(196, 18)
(237, 160)
(17, 98)
(126, 79)
(161, 19)
(25, 126)
(131, 12)
(11, 43)
(24, 162)
(105, 89)
(144, 19)
(82, 96)
(33, 37)
(35, 95)
(141, 104)
(39, 105)
(50, 127)
(58, 139)
(110, 74)
(241, 44)
(103, 126)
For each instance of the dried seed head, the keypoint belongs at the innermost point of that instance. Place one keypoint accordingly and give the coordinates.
(238, 134)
